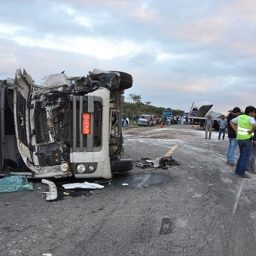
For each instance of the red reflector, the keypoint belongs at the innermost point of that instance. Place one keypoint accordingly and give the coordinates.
(86, 121)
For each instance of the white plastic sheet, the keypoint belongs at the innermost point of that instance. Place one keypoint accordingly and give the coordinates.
(84, 185)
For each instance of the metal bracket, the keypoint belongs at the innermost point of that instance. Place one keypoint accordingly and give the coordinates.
(52, 194)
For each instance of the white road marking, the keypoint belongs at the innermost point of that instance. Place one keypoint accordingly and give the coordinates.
(238, 197)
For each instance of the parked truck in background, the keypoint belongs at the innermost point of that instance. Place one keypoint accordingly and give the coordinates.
(167, 115)
(198, 116)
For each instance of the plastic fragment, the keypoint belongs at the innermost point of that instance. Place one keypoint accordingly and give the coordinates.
(52, 194)
(84, 185)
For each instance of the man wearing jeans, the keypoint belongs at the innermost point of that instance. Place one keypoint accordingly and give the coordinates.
(222, 127)
(251, 164)
(232, 142)
(244, 126)
(208, 126)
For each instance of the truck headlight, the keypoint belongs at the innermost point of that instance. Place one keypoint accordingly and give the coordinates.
(80, 168)
(91, 168)
(64, 167)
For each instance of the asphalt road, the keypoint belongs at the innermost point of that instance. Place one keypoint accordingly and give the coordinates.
(197, 208)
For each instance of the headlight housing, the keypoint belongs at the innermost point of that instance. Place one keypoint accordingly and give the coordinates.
(80, 168)
(64, 167)
(91, 168)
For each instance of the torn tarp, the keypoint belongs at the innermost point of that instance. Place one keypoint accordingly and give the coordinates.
(15, 183)
(84, 185)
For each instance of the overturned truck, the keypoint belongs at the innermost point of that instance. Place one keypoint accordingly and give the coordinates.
(69, 127)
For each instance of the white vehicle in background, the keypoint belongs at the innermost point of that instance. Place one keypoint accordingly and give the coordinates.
(145, 120)
(70, 127)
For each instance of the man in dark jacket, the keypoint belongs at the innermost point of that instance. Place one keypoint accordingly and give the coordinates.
(251, 164)
(232, 142)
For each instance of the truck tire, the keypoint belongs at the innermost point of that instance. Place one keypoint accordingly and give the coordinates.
(125, 80)
(122, 165)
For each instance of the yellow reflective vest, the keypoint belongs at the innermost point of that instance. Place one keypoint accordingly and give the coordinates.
(243, 127)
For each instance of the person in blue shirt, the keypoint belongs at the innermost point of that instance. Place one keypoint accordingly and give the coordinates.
(222, 127)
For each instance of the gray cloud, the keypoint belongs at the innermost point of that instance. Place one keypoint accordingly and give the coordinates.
(178, 52)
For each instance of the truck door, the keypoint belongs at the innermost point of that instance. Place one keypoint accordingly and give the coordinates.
(2, 132)
(22, 94)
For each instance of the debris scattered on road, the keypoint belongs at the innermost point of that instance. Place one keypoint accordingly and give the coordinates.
(52, 194)
(84, 185)
(159, 162)
(125, 184)
(164, 161)
(145, 163)
(14, 184)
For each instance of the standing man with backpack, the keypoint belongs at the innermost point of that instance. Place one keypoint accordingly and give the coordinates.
(244, 126)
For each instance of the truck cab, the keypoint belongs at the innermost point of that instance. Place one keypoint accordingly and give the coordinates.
(71, 126)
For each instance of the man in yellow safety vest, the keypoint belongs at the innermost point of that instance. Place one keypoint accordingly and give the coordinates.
(244, 126)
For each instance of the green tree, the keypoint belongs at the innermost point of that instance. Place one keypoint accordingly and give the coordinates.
(135, 99)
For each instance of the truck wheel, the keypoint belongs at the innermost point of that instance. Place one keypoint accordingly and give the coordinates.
(122, 165)
(125, 80)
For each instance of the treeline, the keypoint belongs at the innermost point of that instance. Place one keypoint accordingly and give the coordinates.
(135, 107)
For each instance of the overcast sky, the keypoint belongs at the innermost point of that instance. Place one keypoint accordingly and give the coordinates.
(178, 51)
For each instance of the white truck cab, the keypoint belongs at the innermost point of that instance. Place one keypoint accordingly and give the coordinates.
(70, 127)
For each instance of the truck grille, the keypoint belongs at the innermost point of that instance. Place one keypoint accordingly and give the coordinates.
(86, 104)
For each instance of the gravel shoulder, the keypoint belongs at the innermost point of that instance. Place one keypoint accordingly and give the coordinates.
(197, 208)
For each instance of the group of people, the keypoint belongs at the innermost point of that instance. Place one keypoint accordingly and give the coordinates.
(241, 127)
(209, 123)
(242, 133)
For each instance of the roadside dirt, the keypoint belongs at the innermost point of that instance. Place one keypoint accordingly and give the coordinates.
(198, 208)
(164, 132)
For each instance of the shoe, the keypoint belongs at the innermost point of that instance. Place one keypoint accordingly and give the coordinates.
(251, 171)
(231, 164)
(244, 176)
